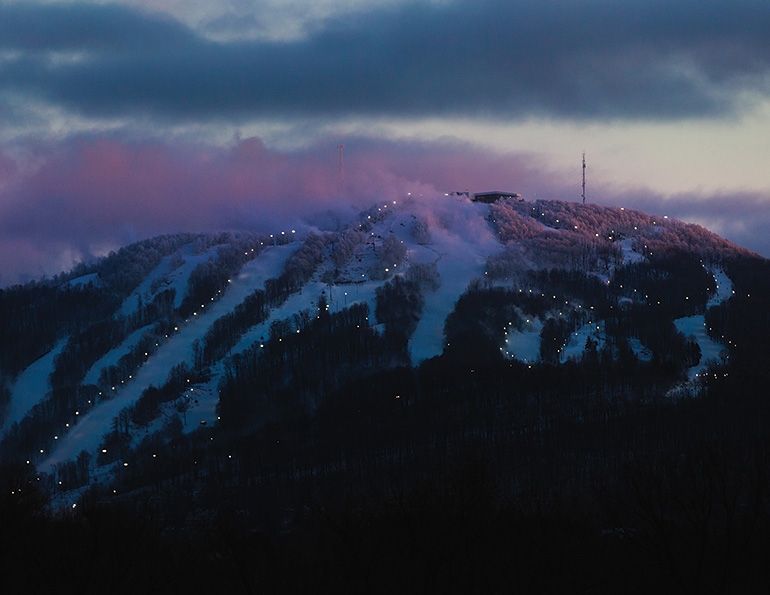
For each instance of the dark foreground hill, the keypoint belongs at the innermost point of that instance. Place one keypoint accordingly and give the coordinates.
(528, 396)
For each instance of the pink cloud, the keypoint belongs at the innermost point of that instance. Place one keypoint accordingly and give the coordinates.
(90, 195)
(104, 183)
(87, 196)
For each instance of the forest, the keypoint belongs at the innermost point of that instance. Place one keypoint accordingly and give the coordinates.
(338, 464)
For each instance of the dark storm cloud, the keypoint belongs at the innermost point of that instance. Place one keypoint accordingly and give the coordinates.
(42, 28)
(593, 59)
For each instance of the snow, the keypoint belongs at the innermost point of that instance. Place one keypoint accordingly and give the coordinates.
(460, 248)
(524, 345)
(629, 254)
(169, 274)
(461, 241)
(577, 341)
(31, 387)
(695, 326)
(91, 427)
(111, 357)
(643, 353)
(724, 288)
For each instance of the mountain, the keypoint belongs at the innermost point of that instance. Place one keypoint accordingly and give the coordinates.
(554, 345)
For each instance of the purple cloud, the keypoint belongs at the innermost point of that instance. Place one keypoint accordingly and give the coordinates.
(90, 195)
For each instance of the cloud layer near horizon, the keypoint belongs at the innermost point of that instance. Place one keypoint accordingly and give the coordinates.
(89, 196)
(115, 115)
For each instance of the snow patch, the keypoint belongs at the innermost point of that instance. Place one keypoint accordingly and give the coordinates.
(460, 247)
(172, 273)
(577, 340)
(630, 255)
(524, 345)
(31, 387)
(695, 327)
(93, 425)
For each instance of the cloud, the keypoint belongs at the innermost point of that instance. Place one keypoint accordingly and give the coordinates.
(89, 195)
(104, 183)
(112, 116)
(594, 59)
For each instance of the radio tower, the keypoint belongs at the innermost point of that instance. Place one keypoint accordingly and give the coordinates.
(584, 177)
(341, 175)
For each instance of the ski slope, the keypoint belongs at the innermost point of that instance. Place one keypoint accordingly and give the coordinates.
(695, 326)
(92, 426)
(31, 387)
(462, 242)
(459, 243)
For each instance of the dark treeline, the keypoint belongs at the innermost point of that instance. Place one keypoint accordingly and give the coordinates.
(677, 285)
(398, 307)
(640, 301)
(83, 349)
(445, 477)
(147, 407)
(569, 424)
(338, 467)
(255, 309)
(224, 333)
(299, 267)
(89, 315)
(35, 316)
(327, 416)
(455, 532)
(123, 270)
(305, 358)
(208, 281)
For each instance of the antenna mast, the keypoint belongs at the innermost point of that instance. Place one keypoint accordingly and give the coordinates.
(341, 175)
(584, 177)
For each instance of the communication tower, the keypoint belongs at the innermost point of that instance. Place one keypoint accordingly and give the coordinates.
(584, 177)
(341, 174)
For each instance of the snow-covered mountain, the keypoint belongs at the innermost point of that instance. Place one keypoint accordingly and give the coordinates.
(195, 334)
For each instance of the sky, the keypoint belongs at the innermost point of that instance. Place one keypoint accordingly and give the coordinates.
(122, 120)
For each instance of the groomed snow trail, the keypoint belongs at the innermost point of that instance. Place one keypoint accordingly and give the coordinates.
(91, 427)
(30, 387)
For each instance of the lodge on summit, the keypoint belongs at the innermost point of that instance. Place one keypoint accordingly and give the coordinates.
(495, 195)
(488, 197)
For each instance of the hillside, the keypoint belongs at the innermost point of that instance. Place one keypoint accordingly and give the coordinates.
(555, 342)
(198, 303)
